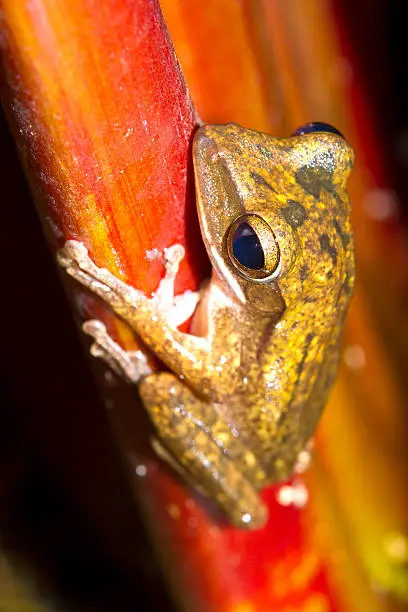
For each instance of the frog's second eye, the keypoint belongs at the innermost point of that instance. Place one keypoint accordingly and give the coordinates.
(316, 126)
(252, 248)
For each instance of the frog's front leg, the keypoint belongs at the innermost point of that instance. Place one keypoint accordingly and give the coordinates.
(214, 459)
(149, 318)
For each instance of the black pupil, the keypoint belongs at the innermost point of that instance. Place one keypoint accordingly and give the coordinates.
(247, 248)
(316, 126)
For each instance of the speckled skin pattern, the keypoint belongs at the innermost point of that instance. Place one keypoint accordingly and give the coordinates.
(239, 403)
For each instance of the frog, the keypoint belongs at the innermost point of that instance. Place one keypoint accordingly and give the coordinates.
(240, 395)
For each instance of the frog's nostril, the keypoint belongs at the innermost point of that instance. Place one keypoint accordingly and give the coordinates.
(206, 146)
(316, 126)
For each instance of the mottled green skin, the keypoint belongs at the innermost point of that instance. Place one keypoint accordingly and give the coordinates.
(253, 389)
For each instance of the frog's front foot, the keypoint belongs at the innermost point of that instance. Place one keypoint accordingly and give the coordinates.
(175, 310)
(75, 259)
(154, 319)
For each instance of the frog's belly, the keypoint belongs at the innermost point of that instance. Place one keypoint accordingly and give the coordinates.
(275, 430)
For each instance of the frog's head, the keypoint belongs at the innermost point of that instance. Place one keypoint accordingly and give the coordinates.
(274, 213)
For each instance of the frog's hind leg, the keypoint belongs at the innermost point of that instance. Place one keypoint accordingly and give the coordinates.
(193, 434)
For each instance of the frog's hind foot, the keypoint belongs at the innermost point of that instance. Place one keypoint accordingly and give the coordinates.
(130, 365)
(190, 431)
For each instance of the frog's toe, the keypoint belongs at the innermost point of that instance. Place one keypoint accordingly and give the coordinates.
(73, 251)
(255, 518)
(239, 498)
(174, 254)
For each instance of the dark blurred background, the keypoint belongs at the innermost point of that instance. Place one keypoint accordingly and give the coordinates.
(67, 519)
(377, 33)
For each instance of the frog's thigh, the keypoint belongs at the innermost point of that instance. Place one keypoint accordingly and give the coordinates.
(184, 426)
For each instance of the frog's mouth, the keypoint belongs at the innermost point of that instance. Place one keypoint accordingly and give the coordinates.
(218, 204)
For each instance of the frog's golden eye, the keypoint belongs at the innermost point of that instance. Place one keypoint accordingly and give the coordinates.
(252, 248)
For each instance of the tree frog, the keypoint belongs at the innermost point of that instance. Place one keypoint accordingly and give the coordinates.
(242, 393)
